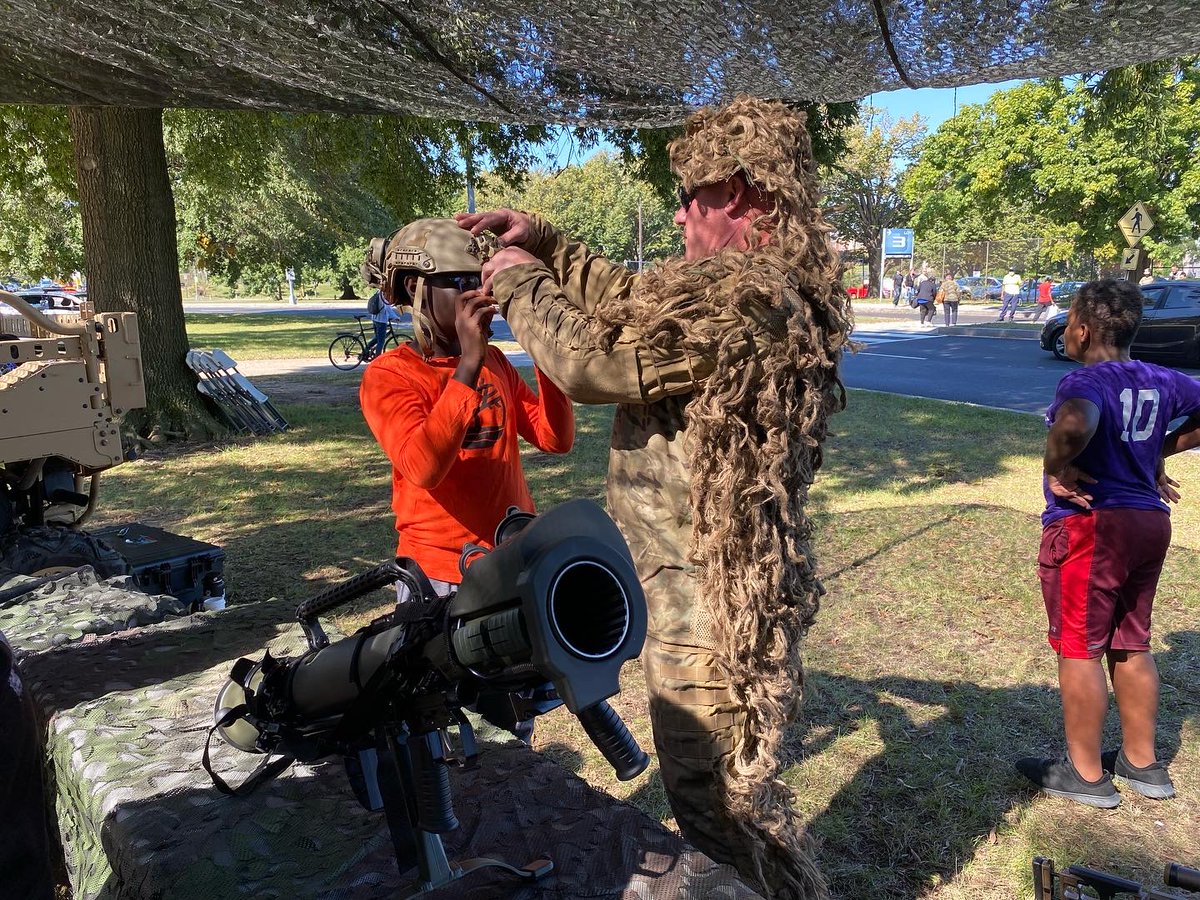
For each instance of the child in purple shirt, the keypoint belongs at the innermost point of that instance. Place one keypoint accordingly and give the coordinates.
(1105, 535)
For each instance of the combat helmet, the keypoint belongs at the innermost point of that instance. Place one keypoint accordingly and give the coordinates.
(422, 248)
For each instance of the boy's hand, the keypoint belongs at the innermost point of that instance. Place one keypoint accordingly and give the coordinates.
(1166, 484)
(1066, 484)
(472, 321)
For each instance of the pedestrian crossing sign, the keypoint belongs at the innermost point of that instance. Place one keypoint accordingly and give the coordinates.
(1135, 223)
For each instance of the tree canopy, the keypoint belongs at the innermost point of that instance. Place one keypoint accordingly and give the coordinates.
(1062, 162)
(862, 188)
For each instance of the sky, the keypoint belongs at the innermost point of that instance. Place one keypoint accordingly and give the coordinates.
(936, 105)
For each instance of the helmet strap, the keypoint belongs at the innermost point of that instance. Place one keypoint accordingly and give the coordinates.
(419, 319)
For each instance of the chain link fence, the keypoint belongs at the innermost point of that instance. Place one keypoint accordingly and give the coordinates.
(1027, 257)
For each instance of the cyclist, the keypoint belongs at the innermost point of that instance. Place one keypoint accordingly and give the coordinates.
(382, 312)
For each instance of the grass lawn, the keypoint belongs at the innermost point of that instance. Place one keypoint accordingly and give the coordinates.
(927, 670)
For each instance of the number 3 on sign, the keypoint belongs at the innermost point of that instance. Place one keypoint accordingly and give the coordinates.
(1144, 411)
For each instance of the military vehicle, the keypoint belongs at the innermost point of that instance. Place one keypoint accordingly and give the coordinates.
(66, 378)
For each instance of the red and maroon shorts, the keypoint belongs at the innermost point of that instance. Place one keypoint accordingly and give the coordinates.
(1099, 572)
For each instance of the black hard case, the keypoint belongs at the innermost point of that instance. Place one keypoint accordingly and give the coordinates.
(166, 563)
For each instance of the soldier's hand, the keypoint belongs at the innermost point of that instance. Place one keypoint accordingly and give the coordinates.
(510, 226)
(504, 259)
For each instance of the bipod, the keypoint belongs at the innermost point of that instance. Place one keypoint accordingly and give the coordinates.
(406, 776)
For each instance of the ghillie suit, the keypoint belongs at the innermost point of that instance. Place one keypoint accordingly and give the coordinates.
(736, 354)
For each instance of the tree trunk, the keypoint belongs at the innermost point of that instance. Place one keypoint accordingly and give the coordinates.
(128, 215)
(872, 251)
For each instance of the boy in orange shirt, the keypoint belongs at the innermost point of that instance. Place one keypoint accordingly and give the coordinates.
(447, 407)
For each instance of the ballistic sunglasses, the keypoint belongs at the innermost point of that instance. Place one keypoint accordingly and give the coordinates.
(460, 283)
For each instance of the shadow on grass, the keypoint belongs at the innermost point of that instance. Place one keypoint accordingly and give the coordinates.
(909, 445)
(295, 512)
(917, 810)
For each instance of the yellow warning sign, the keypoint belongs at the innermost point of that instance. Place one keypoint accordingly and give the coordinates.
(1135, 223)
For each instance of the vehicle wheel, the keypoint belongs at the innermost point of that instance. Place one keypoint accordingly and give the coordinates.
(47, 550)
(392, 341)
(1060, 345)
(346, 352)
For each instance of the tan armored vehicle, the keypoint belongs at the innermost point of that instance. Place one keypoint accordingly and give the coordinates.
(66, 378)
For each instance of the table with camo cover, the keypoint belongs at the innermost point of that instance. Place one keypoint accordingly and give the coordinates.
(127, 706)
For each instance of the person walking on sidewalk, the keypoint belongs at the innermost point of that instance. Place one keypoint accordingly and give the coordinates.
(897, 287)
(948, 294)
(926, 291)
(1010, 295)
(1106, 530)
(1043, 297)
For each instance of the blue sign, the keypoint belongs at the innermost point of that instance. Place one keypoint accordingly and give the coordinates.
(897, 242)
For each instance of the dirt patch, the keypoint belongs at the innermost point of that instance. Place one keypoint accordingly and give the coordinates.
(327, 390)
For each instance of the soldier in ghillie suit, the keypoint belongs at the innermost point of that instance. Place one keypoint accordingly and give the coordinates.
(724, 366)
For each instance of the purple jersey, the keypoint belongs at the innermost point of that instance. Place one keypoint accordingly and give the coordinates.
(1137, 402)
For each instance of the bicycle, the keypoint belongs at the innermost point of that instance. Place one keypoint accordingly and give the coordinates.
(349, 350)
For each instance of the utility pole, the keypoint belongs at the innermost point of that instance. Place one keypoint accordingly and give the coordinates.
(464, 145)
(639, 235)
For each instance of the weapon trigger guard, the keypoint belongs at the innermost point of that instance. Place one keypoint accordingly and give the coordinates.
(466, 734)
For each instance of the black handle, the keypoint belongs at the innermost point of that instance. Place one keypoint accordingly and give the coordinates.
(431, 784)
(613, 740)
(1181, 876)
(1103, 882)
(306, 613)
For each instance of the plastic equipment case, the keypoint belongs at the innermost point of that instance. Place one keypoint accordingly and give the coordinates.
(165, 563)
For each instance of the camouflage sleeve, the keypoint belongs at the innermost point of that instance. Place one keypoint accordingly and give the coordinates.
(551, 322)
(586, 277)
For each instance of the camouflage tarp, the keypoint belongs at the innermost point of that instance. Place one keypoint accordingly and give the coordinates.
(620, 62)
(79, 604)
(127, 715)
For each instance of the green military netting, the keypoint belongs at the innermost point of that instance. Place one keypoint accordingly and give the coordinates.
(621, 62)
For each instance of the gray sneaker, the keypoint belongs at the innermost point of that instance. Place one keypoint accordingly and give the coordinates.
(1058, 778)
(1151, 781)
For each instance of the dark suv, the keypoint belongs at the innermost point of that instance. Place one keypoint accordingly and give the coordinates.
(1170, 324)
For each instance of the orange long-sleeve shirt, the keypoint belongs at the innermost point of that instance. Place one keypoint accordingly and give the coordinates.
(456, 468)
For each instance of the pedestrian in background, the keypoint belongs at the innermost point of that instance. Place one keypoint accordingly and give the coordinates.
(926, 291)
(948, 294)
(897, 287)
(381, 313)
(909, 287)
(1010, 295)
(1043, 297)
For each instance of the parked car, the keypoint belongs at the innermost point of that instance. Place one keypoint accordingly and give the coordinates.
(52, 298)
(980, 287)
(1062, 293)
(1170, 330)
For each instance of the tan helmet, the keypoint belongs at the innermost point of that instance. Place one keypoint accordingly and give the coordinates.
(422, 248)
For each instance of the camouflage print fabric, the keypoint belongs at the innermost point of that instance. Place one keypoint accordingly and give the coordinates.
(127, 715)
(79, 605)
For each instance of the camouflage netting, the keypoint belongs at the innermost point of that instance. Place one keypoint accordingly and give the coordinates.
(622, 62)
(127, 715)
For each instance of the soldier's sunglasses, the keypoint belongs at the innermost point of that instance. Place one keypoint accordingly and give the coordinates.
(685, 197)
(461, 283)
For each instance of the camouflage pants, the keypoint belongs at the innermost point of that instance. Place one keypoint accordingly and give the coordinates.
(694, 721)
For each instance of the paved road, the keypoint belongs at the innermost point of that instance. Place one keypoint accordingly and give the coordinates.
(996, 372)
